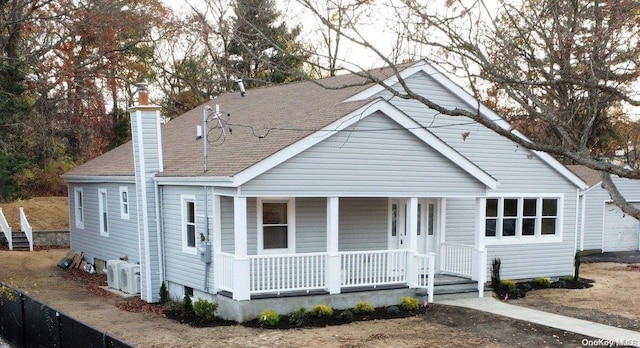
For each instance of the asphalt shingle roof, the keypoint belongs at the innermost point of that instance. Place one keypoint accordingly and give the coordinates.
(263, 122)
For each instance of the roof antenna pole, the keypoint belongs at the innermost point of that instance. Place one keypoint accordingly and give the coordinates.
(205, 116)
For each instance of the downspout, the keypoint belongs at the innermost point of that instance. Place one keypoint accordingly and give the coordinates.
(160, 223)
(207, 265)
(582, 218)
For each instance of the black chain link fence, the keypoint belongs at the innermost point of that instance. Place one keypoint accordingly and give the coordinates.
(26, 322)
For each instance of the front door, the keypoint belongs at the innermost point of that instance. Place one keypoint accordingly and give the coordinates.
(427, 239)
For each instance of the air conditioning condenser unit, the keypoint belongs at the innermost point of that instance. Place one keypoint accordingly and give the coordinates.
(130, 278)
(113, 273)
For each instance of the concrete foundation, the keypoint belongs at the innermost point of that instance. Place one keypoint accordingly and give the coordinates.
(241, 311)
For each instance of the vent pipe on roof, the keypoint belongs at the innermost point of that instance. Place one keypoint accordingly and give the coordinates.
(241, 86)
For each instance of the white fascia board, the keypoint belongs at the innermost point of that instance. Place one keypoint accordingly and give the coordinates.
(354, 117)
(194, 181)
(98, 179)
(471, 101)
(585, 191)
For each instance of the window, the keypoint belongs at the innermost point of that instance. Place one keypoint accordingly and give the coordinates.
(124, 202)
(103, 211)
(276, 226)
(513, 218)
(79, 207)
(188, 224)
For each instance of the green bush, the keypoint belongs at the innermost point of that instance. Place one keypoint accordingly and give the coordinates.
(347, 316)
(164, 293)
(495, 274)
(363, 308)
(321, 311)
(298, 317)
(542, 282)
(507, 284)
(393, 310)
(205, 309)
(408, 303)
(269, 318)
(187, 306)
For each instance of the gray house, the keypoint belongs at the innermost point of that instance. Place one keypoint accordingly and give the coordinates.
(602, 225)
(328, 191)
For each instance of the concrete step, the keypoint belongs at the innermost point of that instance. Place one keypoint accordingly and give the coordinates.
(20, 241)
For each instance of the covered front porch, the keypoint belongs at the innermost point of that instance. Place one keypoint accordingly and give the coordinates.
(416, 252)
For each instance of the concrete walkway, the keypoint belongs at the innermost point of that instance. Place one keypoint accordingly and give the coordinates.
(608, 333)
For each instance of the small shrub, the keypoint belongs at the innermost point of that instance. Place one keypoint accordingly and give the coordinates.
(495, 275)
(269, 318)
(346, 315)
(542, 282)
(409, 303)
(187, 306)
(393, 310)
(205, 309)
(321, 311)
(164, 293)
(507, 284)
(298, 317)
(363, 308)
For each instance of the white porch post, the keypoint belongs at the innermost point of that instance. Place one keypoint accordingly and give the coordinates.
(480, 252)
(241, 263)
(217, 243)
(334, 272)
(412, 240)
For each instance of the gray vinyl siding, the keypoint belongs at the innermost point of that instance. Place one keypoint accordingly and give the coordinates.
(372, 158)
(226, 212)
(311, 225)
(594, 209)
(123, 233)
(181, 267)
(518, 170)
(363, 224)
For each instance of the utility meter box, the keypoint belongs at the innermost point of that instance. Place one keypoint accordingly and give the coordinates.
(205, 251)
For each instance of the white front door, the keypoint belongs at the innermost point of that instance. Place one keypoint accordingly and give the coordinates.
(427, 225)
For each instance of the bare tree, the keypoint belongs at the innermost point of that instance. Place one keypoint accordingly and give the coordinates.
(562, 68)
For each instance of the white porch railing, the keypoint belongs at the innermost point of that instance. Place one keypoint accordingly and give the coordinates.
(373, 268)
(224, 264)
(276, 273)
(6, 229)
(26, 228)
(457, 259)
(426, 264)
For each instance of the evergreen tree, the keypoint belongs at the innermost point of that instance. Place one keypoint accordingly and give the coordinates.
(262, 51)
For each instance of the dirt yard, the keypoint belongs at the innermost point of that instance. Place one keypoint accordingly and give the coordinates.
(611, 301)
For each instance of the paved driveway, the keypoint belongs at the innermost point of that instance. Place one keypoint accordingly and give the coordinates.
(618, 257)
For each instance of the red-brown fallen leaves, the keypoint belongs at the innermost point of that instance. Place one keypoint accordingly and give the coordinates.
(633, 267)
(137, 305)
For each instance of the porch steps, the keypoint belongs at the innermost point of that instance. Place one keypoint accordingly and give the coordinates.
(446, 287)
(20, 241)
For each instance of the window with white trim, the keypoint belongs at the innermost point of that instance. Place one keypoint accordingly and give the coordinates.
(103, 209)
(79, 207)
(188, 223)
(513, 218)
(124, 202)
(276, 226)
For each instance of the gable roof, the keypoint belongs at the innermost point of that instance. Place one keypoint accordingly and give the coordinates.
(473, 103)
(589, 175)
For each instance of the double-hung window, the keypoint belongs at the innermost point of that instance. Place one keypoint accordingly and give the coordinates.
(522, 218)
(103, 209)
(78, 202)
(276, 226)
(188, 223)
(124, 202)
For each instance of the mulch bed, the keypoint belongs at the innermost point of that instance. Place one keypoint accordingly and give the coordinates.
(563, 283)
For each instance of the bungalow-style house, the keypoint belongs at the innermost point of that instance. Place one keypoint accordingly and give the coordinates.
(329, 191)
(602, 225)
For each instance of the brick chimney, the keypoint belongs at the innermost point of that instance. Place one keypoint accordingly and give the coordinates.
(147, 153)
